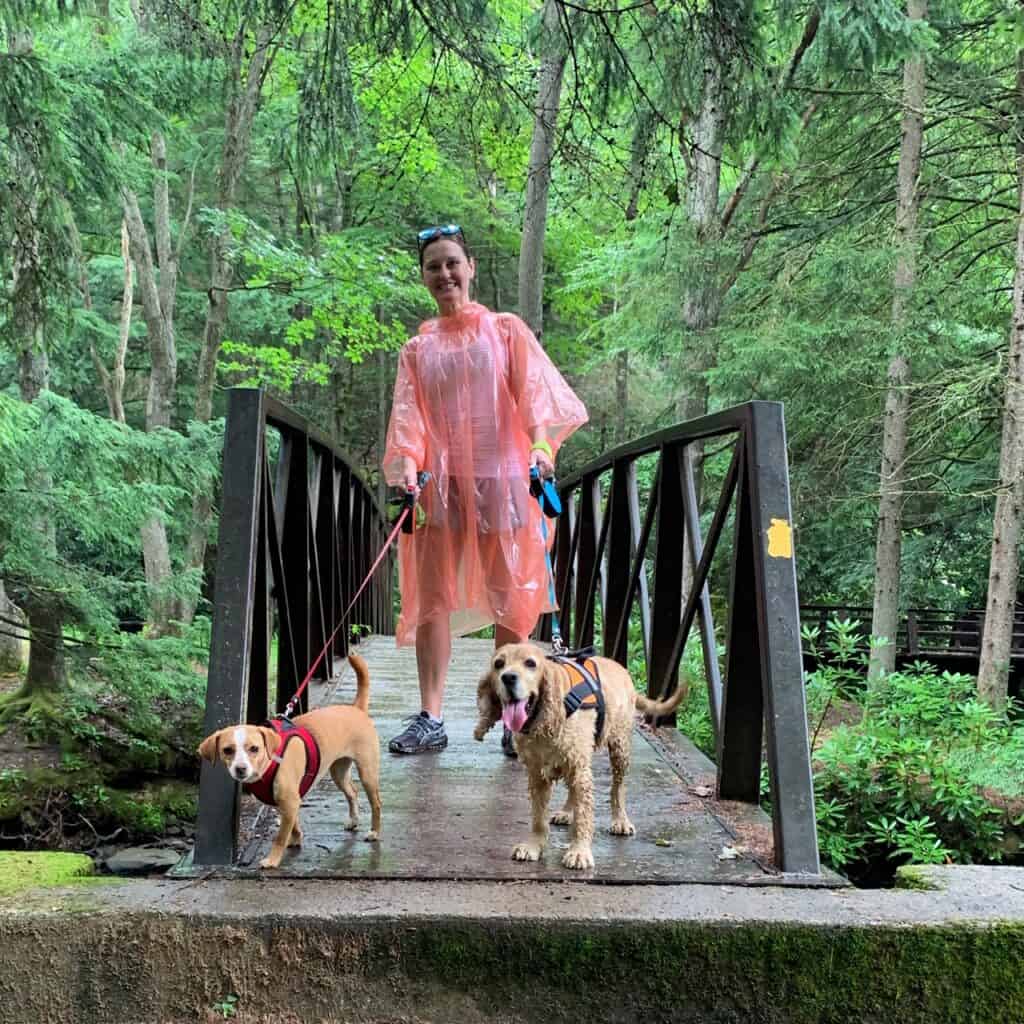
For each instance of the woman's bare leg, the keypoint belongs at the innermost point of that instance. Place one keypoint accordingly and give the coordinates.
(433, 653)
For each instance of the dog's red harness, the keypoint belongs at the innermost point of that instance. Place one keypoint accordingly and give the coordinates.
(263, 787)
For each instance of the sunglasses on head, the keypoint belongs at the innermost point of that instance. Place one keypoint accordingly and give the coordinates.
(428, 235)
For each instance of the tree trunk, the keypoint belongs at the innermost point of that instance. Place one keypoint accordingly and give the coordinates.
(622, 396)
(158, 301)
(642, 134)
(885, 615)
(158, 297)
(705, 294)
(703, 155)
(701, 302)
(339, 403)
(245, 95)
(12, 626)
(383, 408)
(1004, 567)
(538, 178)
(639, 150)
(111, 380)
(341, 212)
(47, 671)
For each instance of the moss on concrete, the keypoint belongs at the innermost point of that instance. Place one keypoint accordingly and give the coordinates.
(750, 973)
(21, 871)
(155, 967)
(917, 876)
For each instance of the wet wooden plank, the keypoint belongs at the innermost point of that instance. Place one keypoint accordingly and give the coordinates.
(457, 814)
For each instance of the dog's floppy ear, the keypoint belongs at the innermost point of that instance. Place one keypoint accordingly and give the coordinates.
(209, 749)
(551, 710)
(487, 704)
(270, 740)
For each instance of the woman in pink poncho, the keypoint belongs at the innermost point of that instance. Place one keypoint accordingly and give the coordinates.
(477, 403)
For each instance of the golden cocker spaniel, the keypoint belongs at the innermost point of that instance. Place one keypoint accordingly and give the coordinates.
(526, 690)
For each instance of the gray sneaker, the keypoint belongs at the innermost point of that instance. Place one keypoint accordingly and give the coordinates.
(419, 736)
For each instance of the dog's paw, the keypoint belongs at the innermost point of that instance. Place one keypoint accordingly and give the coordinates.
(524, 851)
(353, 824)
(269, 862)
(295, 839)
(562, 818)
(578, 858)
(371, 837)
(622, 828)
(480, 732)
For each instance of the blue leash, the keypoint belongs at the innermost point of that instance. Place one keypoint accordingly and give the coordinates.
(550, 506)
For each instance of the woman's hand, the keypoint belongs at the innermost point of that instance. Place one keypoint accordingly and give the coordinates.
(542, 461)
(410, 475)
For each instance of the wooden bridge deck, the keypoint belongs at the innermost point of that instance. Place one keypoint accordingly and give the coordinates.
(456, 814)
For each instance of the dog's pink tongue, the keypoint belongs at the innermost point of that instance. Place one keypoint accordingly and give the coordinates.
(514, 715)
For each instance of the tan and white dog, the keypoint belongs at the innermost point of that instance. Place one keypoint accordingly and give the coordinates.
(344, 733)
(526, 690)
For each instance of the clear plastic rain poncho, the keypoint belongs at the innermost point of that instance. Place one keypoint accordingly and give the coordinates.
(472, 391)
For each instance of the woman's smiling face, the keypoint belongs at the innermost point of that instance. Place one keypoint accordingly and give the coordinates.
(447, 273)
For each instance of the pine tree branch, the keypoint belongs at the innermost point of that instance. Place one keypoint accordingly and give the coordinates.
(806, 40)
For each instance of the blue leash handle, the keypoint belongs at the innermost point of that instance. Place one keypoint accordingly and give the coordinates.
(540, 490)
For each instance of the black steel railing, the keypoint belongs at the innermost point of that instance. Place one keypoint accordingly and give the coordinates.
(294, 544)
(296, 541)
(610, 556)
(923, 632)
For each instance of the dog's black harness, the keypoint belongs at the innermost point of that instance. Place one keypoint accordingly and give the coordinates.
(587, 693)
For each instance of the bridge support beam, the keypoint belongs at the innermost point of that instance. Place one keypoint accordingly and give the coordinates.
(232, 634)
(764, 674)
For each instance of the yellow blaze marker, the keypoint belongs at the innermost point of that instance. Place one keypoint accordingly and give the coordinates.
(780, 539)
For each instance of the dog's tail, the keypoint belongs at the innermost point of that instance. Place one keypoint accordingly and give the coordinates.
(661, 708)
(362, 682)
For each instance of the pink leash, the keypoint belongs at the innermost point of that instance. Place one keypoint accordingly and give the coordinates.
(373, 568)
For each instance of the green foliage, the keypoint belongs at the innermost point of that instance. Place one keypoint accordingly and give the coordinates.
(226, 1007)
(693, 717)
(842, 661)
(343, 303)
(72, 100)
(105, 480)
(916, 772)
(901, 783)
(373, 120)
(127, 729)
(143, 681)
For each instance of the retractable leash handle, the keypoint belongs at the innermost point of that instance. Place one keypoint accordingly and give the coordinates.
(545, 492)
(411, 511)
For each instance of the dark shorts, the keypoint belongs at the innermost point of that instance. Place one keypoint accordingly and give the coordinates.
(487, 505)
